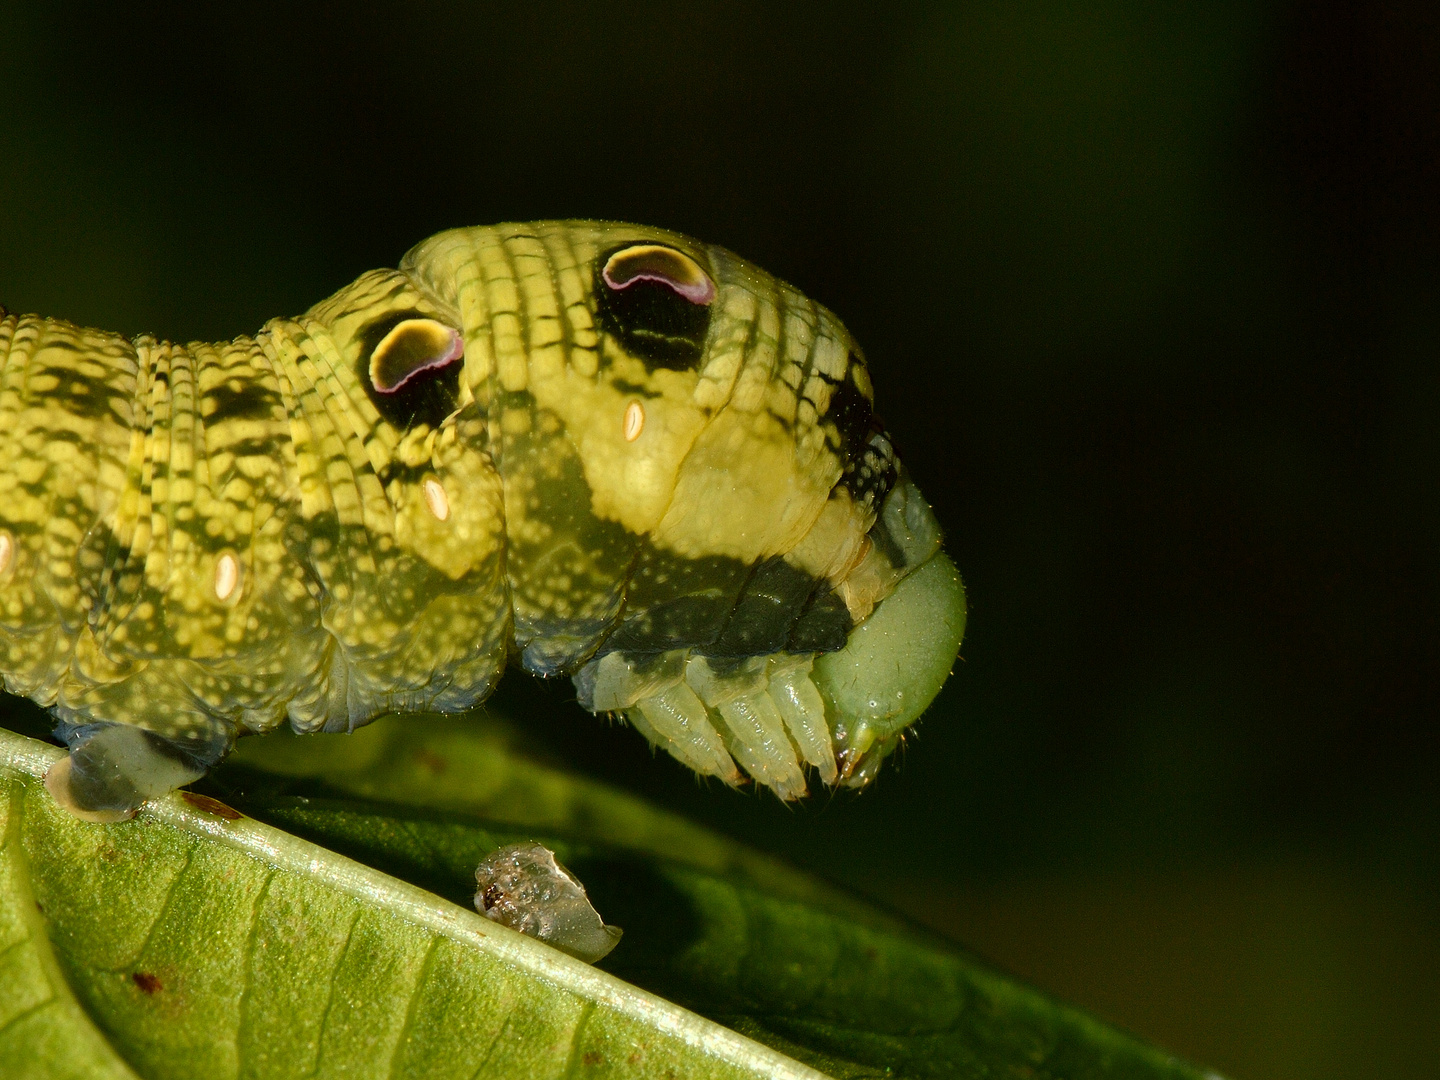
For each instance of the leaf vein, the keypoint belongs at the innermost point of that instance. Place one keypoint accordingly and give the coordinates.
(162, 910)
(415, 993)
(494, 1044)
(8, 949)
(23, 1013)
(250, 961)
(585, 1013)
(330, 994)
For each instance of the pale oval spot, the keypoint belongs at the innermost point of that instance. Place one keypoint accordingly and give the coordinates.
(658, 263)
(412, 347)
(227, 575)
(634, 421)
(7, 551)
(436, 499)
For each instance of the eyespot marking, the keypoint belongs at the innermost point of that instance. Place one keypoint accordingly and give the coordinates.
(655, 302)
(436, 499)
(227, 576)
(665, 265)
(7, 551)
(634, 425)
(411, 347)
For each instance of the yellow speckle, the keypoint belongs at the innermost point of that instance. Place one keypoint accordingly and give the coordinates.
(634, 421)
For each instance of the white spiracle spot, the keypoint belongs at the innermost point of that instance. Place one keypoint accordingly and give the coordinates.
(7, 550)
(436, 499)
(227, 575)
(634, 421)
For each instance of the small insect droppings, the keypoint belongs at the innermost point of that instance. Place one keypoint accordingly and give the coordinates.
(227, 575)
(437, 500)
(634, 421)
(522, 886)
(148, 983)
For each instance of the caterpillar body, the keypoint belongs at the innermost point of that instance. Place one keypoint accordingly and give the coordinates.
(588, 449)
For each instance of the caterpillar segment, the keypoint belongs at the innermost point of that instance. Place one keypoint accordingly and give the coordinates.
(586, 449)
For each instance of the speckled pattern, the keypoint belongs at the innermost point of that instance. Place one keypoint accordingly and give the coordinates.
(214, 538)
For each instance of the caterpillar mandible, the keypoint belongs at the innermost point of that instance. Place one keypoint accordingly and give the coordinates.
(589, 449)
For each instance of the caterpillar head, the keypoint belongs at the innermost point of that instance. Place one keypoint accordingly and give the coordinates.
(708, 526)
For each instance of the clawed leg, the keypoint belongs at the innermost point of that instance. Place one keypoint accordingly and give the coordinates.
(759, 742)
(804, 711)
(766, 715)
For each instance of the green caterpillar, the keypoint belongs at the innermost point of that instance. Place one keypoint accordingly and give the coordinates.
(592, 449)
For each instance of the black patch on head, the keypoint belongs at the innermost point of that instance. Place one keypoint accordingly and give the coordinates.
(427, 398)
(824, 625)
(726, 609)
(851, 413)
(869, 461)
(673, 602)
(761, 621)
(650, 320)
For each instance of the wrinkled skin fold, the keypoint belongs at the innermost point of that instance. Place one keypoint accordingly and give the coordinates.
(594, 450)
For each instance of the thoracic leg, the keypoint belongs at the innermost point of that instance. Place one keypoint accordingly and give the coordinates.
(679, 717)
(804, 712)
(618, 682)
(761, 745)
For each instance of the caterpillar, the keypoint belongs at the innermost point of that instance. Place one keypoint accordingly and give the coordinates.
(586, 449)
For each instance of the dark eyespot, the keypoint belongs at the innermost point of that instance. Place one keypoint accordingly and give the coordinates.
(410, 367)
(655, 301)
(412, 347)
(652, 262)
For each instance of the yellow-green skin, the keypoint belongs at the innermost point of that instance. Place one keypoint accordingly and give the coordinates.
(129, 469)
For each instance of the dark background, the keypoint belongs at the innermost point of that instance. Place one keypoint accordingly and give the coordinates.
(1150, 294)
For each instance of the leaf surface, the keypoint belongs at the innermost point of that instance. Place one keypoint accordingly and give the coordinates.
(709, 923)
(327, 930)
(194, 941)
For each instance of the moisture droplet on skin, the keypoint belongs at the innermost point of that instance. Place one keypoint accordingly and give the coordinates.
(436, 499)
(522, 886)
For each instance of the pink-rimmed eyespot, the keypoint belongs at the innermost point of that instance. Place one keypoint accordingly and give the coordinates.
(411, 348)
(663, 265)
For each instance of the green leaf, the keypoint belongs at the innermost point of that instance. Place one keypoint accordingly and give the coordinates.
(272, 951)
(709, 923)
(43, 1030)
(202, 943)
